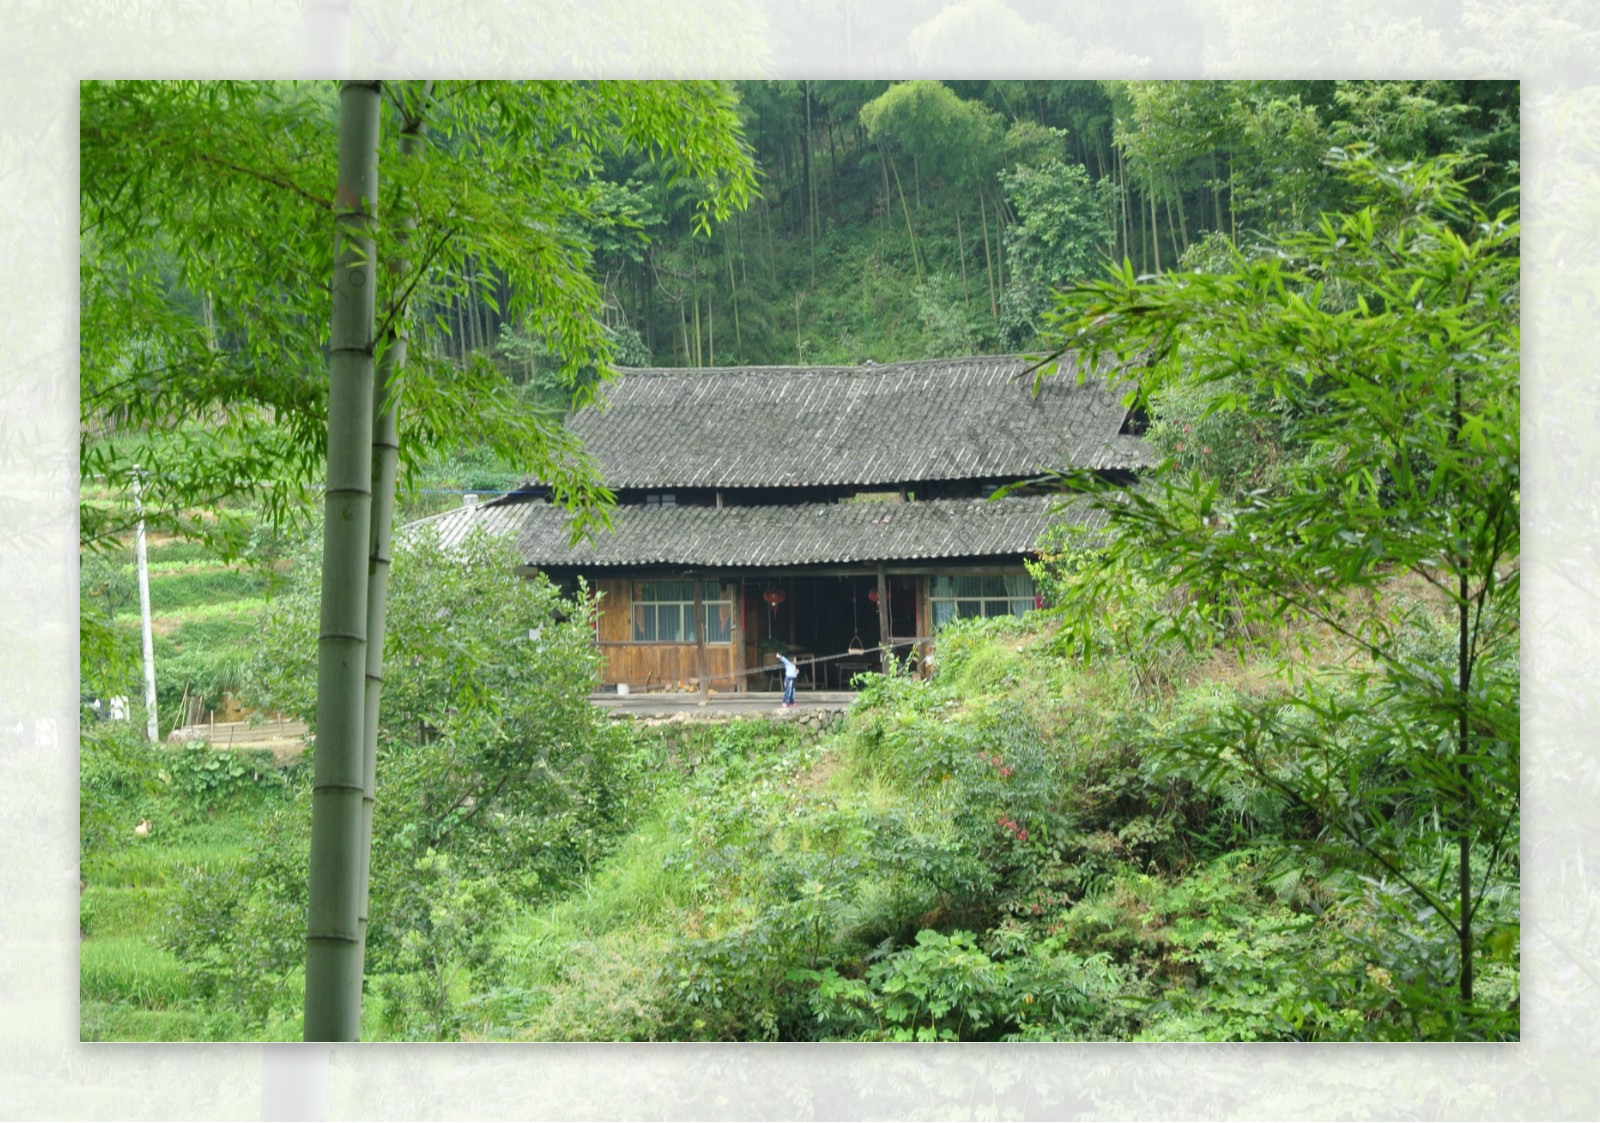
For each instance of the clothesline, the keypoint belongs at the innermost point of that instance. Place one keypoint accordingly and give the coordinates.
(909, 641)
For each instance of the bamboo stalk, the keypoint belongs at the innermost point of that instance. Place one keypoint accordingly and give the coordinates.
(733, 288)
(333, 948)
(385, 471)
(988, 263)
(961, 248)
(699, 350)
(1155, 232)
(916, 261)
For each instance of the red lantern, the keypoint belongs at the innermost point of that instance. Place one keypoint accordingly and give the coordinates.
(774, 597)
(872, 595)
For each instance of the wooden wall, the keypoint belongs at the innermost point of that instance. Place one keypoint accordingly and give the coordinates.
(654, 666)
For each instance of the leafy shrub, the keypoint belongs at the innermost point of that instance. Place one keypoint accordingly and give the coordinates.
(1120, 615)
(497, 781)
(107, 584)
(118, 780)
(1240, 449)
(947, 988)
(202, 773)
(946, 329)
(444, 939)
(238, 926)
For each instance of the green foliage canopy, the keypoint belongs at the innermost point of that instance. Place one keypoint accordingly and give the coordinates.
(1063, 234)
(206, 257)
(948, 136)
(1386, 340)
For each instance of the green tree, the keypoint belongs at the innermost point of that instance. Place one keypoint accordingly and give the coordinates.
(201, 362)
(498, 781)
(1062, 235)
(948, 139)
(1387, 341)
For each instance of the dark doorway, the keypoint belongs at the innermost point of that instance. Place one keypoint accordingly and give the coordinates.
(827, 624)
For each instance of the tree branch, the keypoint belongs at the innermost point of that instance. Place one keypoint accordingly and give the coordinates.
(267, 177)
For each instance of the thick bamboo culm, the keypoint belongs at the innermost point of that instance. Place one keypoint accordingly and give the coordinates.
(333, 943)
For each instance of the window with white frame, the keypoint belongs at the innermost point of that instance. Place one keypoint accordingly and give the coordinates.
(663, 612)
(1008, 594)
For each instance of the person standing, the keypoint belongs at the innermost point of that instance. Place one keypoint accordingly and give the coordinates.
(791, 672)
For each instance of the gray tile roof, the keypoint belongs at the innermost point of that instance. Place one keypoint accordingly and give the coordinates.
(890, 423)
(805, 534)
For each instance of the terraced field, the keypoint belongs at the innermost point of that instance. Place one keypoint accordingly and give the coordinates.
(205, 616)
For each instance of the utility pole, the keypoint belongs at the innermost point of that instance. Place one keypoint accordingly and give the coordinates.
(152, 726)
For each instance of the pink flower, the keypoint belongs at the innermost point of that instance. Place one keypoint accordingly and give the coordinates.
(1022, 835)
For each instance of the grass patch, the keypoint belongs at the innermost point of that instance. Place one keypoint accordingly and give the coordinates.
(634, 887)
(206, 652)
(106, 1021)
(145, 865)
(246, 608)
(105, 910)
(209, 653)
(170, 592)
(585, 968)
(610, 990)
(242, 630)
(130, 971)
(178, 553)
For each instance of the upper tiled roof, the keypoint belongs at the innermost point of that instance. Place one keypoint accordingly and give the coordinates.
(803, 534)
(968, 418)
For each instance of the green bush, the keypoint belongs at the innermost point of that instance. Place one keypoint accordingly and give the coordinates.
(498, 782)
(947, 988)
(118, 781)
(236, 923)
(445, 942)
(204, 774)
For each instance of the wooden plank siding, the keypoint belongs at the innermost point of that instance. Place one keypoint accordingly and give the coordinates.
(654, 666)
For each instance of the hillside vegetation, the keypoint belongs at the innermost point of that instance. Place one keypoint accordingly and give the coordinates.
(1009, 850)
(1014, 848)
(205, 616)
(1254, 774)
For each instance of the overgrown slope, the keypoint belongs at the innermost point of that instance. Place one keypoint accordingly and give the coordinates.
(1005, 851)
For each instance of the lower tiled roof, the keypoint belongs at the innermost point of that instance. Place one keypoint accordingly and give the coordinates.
(803, 534)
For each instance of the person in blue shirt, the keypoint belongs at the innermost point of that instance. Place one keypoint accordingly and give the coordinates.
(791, 671)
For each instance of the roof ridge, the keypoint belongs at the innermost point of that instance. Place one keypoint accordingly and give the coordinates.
(843, 368)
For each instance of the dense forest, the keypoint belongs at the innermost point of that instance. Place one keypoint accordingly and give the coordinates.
(1252, 773)
(902, 220)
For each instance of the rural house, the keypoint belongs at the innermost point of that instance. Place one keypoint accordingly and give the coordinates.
(828, 512)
